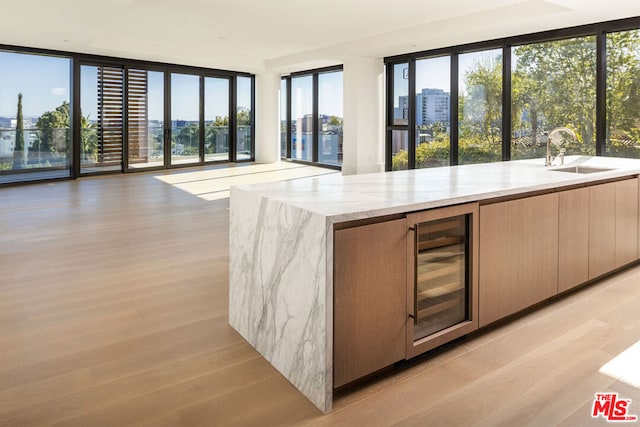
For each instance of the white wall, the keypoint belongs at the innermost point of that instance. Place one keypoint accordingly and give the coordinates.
(267, 118)
(363, 147)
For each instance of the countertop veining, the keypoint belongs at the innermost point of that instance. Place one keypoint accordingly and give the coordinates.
(343, 198)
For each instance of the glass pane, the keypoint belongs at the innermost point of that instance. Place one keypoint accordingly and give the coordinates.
(480, 107)
(400, 92)
(283, 118)
(623, 94)
(185, 118)
(553, 84)
(302, 118)
(441, 276)
(330, 118)
(433, 82)
(216, 119)
(243, 149)
(145, 118)
(35, 142)
(101, 98)
(399, 150)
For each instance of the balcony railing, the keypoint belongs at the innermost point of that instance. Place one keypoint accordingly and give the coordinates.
(41, 149)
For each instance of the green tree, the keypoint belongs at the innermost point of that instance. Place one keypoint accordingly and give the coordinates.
(54, 130)
(216, 135)
(18, 149)
(623, 93)
(221, 121)
(480, 113)
(554, 84)
(89, 140)
(335, 121)
(188, 137)
(243, 118)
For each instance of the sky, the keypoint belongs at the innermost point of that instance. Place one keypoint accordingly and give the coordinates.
(330, 95)
(44, 82)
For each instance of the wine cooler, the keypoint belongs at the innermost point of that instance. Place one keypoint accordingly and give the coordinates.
(442, 295)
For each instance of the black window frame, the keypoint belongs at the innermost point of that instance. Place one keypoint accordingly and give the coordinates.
(599, 30)
(79, 59)
(314, 73)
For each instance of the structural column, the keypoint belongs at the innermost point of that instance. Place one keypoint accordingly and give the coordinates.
(267, 118)
(363, 149)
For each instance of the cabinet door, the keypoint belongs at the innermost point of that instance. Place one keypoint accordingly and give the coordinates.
(369, 299)
(602, 229)
(626, 222)
(573, 234)
(500, 233)
(539, 262)
(518, 255)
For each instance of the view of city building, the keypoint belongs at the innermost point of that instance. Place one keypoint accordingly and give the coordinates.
(432, 105)
(299, 132)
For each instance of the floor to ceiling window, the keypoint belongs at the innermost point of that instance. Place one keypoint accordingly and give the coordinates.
(283, 117)
(145, 120)
(330, 116)
(216, 118)
(185, 118)
(432, 111)
(102, 111)
(124, 115)
(244, 121)
(623, 94)
(35, 139)
(312, 116)
(512, 93)
(553, 84)
(398, 116)
(480, 106)
(302, 118)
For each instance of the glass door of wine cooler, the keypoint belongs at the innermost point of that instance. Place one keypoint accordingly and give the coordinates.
(441, 287)
(442, 283)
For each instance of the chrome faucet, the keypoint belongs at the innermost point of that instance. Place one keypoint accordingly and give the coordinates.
(556, 138)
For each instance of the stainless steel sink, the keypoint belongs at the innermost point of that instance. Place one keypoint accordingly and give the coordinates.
(581, 169)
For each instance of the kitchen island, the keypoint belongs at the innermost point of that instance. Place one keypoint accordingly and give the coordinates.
(281, 249)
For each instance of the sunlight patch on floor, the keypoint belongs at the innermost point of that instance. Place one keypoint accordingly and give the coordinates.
(214, 184)
(625, 367)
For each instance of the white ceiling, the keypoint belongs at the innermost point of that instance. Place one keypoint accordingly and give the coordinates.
(283, 35)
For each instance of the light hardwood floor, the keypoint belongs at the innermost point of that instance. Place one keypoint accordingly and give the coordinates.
(113, 311)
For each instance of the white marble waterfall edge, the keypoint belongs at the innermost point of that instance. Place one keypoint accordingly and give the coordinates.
(278, 293)
(281, 246)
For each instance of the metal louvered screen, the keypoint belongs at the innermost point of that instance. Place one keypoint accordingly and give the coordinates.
(137, 116)
(110, 114)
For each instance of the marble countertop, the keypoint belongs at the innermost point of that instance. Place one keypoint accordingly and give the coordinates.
(343, 198)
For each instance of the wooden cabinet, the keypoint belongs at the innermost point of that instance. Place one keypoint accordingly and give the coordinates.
(584, 233)
(518, 255)
(626, 222)
(613, 226)
(602, 229)
(573, 238)
(369, 299)
(403, 286)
